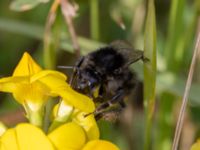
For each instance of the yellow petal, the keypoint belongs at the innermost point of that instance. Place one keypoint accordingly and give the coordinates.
(68, 136)
(25, 137)
(27, 66)
(1, 147)
(32, 138)
(25, 92)
(76, 99)
(59, 87)
(62, 113)
(54, 81)
(64, 110)
(48, 74)
(88, 124)
(100, 145)
(35, 93)
(9, 84)
(9, 140)
(3, 128)
(196, 146)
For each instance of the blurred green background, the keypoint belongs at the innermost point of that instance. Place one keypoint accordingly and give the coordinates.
(99, 22)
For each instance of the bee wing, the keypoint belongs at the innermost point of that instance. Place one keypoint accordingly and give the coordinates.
(127, 51)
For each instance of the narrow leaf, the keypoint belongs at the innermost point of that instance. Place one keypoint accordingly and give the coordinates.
(174, 42)
(149, 70)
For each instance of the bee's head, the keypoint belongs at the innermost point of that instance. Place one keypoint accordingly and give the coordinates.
(87, 78)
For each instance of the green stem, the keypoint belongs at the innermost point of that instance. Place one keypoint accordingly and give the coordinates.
(36, 117)
(48, 112)
(94, 19)
(59, 121)
(49, 47)
(50, 55)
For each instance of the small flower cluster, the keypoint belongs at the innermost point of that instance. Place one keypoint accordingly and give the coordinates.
(32, 87)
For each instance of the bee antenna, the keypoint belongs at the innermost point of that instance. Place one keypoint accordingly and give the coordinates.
(66, 67)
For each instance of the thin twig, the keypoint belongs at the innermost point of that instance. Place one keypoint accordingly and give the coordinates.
(51, 16)
(69, 11)
(185, 96)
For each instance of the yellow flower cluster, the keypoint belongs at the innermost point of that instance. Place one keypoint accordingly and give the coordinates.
(69, 136)
(32, 87)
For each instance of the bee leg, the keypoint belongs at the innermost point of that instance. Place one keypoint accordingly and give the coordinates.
(101, 110)
(99, 116)
(99, 98)
(101, 90)
(109, 115)
(117, 98)
(90, 91)
(75, 72)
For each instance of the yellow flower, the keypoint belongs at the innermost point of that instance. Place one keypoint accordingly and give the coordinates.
(69, 136)
(25, 83)
(31, 86)
(64, 112)
(100, 145)
(25, 137)
(196, 146)
(87, 123)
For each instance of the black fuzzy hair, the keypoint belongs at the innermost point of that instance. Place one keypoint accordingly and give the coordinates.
(108, 58)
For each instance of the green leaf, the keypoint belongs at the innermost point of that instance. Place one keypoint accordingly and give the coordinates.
(24, 5)
(36, 31)
(86, 45)
(174, 48)
(164, 122)
(23, 28)
(149, 70)
(175, 85)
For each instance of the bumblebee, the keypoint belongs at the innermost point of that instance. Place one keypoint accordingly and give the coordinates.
(105, 76)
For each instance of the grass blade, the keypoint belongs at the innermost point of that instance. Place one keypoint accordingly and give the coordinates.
(175, 35)
(23, 28)
(37, 32)
(149, 70)
(94, 19)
